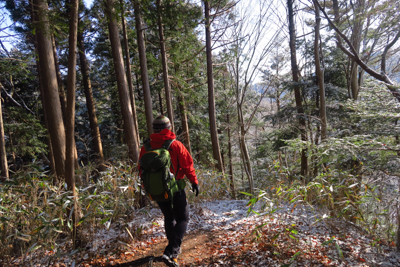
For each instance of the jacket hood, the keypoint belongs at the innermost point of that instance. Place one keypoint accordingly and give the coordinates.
(158, 139)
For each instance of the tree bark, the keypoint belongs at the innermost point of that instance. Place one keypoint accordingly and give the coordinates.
(232, 185)
(41, 91)
(297, 94)
(243, 149)
(61, 91)
(211, 101)
(356, 42)
(90, 104)
(3, 154)
(70, 115)
(50, 86)
(129, 73)
(63, 98)
(122, 84)
(143, 69)
(320, 75)
(168, 97)
(161, 105)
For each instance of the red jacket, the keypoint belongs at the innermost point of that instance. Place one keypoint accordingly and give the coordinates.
(182, 161)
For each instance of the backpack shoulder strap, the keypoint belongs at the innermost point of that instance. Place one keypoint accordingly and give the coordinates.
(147, 144)
(167, 144)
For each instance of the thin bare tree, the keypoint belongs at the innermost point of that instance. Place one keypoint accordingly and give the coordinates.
(320, 73)
(250, 51)
(210, 83)
(3, 154)
(297, 93)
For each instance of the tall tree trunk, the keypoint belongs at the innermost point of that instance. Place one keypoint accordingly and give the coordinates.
(244, 151)
(161, 105)
(356, 42)
(297, 94)
(138, 86)
(232, 185)
(90, 104)
(70, 115)
(50, 86)
(129, 73)
(148, 107)
(51, 153)
(63, 98)
(3, 154)
(41, 91)
(320, 74)
(211, 101)
(168, 97)
(126, 108)
(185, 126)
(61, 91)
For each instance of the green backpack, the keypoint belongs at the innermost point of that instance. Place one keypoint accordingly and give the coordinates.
(158, 182)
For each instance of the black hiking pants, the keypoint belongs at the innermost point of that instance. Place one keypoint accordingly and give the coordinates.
(176, 220)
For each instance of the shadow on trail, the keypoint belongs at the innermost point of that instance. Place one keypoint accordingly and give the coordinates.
(148, 261)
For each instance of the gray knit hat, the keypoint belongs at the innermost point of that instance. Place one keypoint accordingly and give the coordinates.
(160, 123)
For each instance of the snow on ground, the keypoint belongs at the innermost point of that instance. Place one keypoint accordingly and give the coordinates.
(289, 236)
(333, 241)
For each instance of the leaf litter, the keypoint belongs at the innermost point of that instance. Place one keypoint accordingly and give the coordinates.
(225, 233)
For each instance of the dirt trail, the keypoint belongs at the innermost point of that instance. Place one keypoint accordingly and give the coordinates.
(195, 250)
(223, 233)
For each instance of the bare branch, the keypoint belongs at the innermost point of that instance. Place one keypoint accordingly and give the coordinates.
(248, 124)
(15, 101)
(4, 48)
(355, 57)
(383, 62)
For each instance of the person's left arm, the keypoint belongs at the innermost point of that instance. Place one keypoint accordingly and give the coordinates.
(185, 162)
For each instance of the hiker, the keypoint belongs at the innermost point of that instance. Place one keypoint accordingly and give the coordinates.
(176, 214)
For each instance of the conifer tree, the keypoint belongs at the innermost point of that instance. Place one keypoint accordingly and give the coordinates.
(90, 102)
(126, 108)
(50, 85)
(143, 68)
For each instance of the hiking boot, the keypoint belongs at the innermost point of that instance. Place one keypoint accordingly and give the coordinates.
(174, 261)
(170, 260)
(165, 257)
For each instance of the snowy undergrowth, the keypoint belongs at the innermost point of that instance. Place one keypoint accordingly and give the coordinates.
(294, 237)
